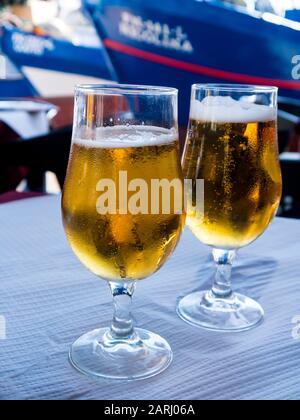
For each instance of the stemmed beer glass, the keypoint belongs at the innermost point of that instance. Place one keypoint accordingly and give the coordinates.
(232, 146)
(125, 142)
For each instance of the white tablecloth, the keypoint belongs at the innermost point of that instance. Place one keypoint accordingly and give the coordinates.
(48, 300)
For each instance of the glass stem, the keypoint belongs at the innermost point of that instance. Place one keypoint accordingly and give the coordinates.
(222, 285)
(122, 325)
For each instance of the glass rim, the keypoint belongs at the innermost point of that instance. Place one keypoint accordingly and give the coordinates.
(223, 87)
(124, 89)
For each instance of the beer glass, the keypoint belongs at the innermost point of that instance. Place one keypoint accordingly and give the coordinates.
(232, 146)
(125, 139)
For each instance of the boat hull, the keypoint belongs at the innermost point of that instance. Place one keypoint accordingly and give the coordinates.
(164, 43)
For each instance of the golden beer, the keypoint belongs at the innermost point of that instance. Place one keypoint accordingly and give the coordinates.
(239, 164)
(121, 246)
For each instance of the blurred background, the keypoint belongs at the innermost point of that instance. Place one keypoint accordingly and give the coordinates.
(49, 46)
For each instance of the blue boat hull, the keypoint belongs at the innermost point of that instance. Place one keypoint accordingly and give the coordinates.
(27, 49)
(168, 43)
(17, 88)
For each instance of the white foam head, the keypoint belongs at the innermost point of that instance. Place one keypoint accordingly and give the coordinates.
(224, 109)
(121, 137)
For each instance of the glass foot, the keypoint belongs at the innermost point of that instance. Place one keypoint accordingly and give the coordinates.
(235, 313)
(99, 355)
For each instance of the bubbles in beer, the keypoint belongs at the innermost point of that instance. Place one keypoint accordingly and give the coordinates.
(232, 145)
(121, 246)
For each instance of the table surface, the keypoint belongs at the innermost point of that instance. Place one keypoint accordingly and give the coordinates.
(48, 300)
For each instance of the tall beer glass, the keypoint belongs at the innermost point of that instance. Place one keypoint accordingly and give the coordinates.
(232, 146)
(125, 139)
